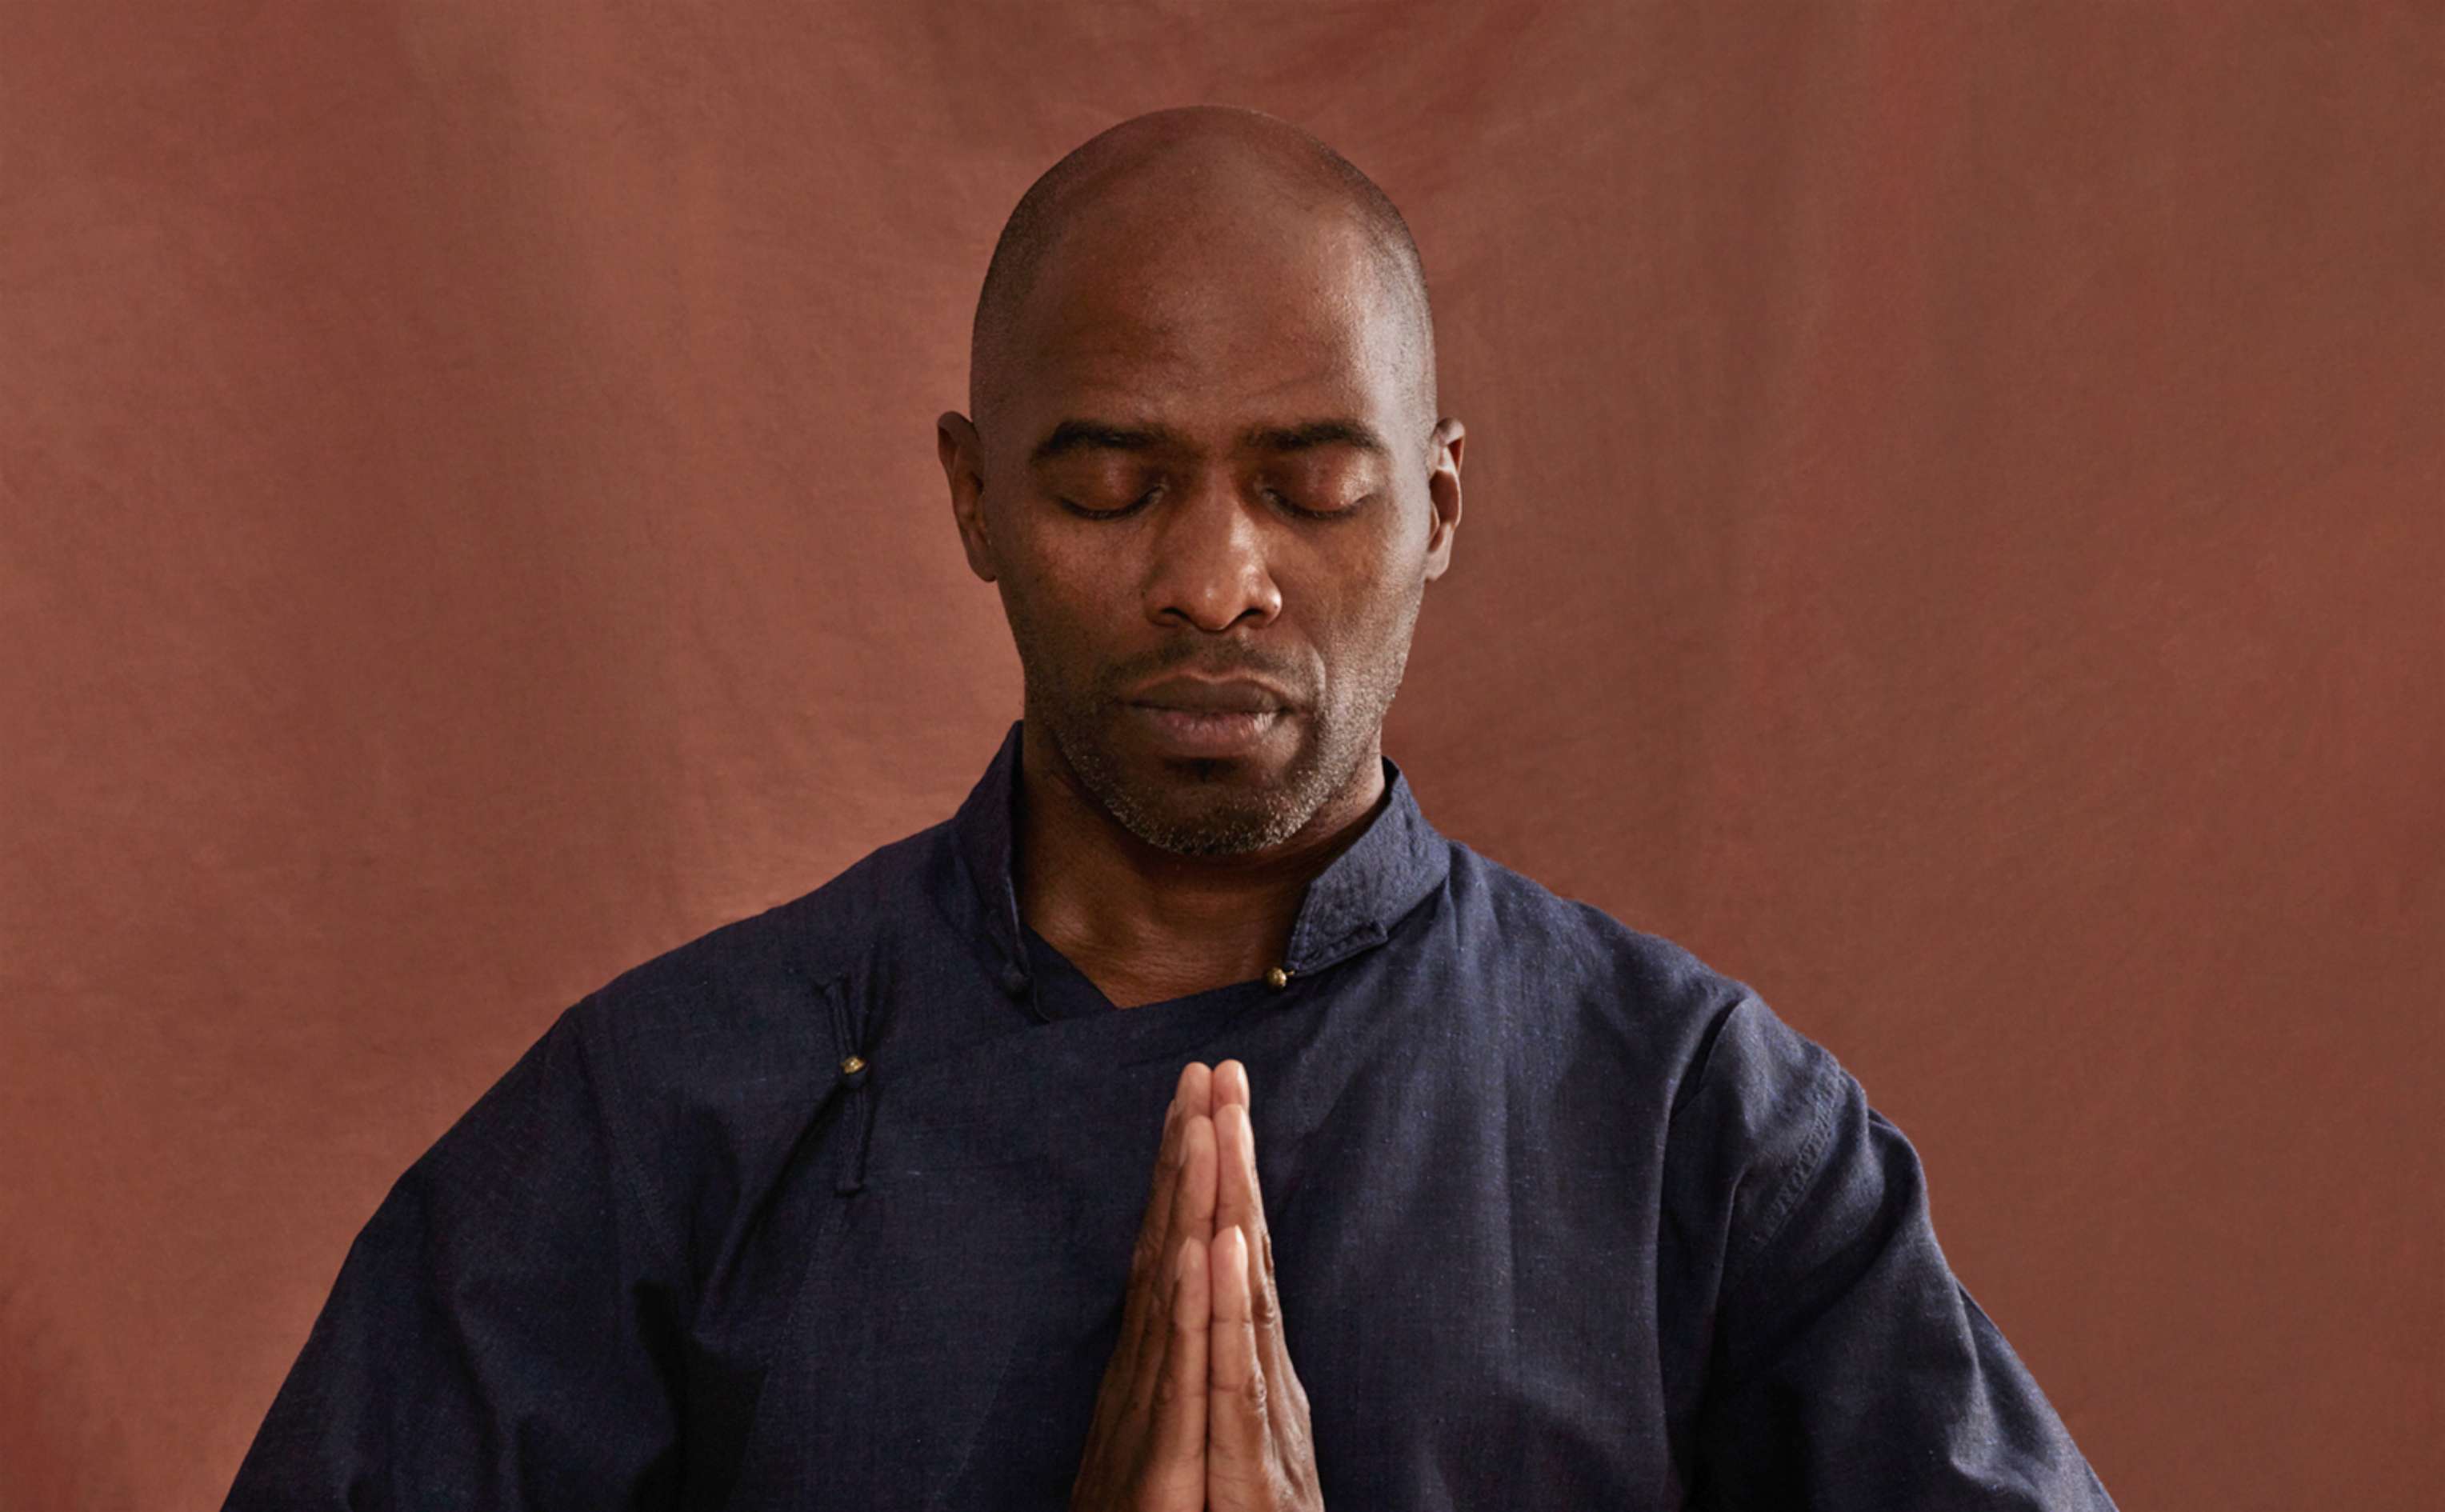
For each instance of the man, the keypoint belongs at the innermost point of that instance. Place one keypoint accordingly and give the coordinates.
(1464, 1195)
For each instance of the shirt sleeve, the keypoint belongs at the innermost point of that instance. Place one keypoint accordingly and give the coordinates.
(500, 1333)
(1848, 1367)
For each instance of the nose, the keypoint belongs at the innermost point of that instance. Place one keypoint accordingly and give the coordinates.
(1210, 568)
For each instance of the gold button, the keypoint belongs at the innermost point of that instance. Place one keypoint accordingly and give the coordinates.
(853, 1066)
(1277, 979)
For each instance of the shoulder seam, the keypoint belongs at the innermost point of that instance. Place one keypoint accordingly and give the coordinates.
(1812, 1156)
(1703, 1058)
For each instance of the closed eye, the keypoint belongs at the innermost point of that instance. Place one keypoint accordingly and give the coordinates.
(1132, 508)
(1277, 497)
(1271, 496)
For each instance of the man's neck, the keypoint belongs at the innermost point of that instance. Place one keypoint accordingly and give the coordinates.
(1147, 924)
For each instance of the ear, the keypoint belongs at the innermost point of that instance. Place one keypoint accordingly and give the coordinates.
(1443, 488)
(962, 455)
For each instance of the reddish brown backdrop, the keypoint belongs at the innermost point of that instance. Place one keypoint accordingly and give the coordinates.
(1954, 536)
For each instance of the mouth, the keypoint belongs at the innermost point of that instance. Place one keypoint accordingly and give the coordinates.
(1208, 735)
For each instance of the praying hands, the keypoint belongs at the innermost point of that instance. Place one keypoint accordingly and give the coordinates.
(1199, 1410)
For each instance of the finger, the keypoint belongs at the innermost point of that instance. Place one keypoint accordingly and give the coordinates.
(1239, 1203)
(1197, 1087)
(1193, 1197)
(1236, 1203)
(1237, 1198)
(1192, 1217)
(1236, 1426)
(1149, 1256)
(1185, 1098)
(1177, 1452)
(1230, 1084)
(1155, 1242)
(1190, 1094)
(1144, 1260)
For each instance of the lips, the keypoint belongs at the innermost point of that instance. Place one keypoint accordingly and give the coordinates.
(1211, 696)
(1208, 735)
(1198, 719)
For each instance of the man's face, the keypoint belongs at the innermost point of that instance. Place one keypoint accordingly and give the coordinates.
(1211, 455)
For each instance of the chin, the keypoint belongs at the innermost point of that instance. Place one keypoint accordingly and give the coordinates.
(1210, 835)
(1238, 809)
(1193, 805)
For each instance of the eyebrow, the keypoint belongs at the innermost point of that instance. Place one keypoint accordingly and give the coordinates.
(1316, 432)
(1090, 435)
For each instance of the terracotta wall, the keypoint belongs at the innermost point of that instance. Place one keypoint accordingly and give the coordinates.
(1955, 527)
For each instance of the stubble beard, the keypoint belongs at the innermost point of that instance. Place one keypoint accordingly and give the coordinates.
(1189, 809)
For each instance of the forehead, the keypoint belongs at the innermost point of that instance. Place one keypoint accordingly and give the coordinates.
(1211, 325)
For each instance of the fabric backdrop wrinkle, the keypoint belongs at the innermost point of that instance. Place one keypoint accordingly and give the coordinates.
(1958, 488)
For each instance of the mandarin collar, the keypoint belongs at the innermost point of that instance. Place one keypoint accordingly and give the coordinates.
(1349, 906)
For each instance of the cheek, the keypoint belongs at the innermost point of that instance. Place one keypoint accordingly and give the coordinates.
(1054, 624)
(1069, 600)
(1358, 636)
(1056, 564)
(1344, 635)
(1355, 587)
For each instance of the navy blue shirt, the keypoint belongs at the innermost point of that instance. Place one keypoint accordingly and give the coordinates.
(832, 1208)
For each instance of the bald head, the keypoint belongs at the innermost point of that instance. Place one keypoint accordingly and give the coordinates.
(1144, 201)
